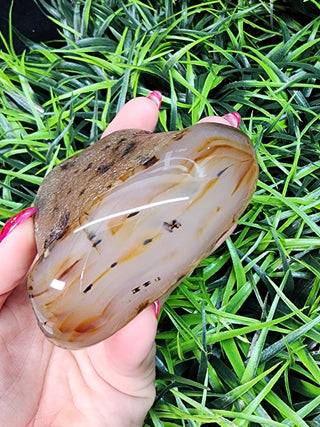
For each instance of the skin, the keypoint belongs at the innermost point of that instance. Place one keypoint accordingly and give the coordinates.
(108, 384)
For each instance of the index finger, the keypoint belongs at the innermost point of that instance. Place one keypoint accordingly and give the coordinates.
(138, 113)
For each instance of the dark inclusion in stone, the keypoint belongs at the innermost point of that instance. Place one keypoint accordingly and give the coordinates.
(88, 288)
(132, 214)
(171, 226)
(149, 162)
(96, 243)
(129, 148)
(103, 168)
(147, 241)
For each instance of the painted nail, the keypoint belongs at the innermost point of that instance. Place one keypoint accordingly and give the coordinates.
(156, 97)
(156, 308)
(233, 118)
(15, 221)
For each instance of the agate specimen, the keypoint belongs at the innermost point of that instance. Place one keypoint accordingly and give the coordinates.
(123, 222)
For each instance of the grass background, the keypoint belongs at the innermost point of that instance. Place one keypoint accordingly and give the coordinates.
(238, 341)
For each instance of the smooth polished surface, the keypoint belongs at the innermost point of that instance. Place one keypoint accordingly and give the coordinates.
(123, 222)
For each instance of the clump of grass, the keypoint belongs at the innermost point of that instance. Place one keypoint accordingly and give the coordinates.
(238, 341)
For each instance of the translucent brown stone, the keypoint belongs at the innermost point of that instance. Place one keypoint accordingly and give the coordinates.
(121, 223)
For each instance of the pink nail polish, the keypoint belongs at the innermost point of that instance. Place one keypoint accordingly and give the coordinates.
(156, 97)
(233, 118)
(156, 308)
(15, 221)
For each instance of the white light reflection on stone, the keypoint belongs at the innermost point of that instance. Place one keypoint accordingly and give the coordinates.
(128, 211)
(57, 284)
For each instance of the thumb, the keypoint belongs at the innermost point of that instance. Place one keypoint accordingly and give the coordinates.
(127, 358)
(17, 251)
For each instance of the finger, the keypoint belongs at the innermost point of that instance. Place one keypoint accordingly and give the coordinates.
(17, 252)
(225, 236)
(231, 119)
(126, 359)
(139, 113)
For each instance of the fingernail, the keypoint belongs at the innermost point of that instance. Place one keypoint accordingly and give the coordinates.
(156, 97)
(156, 308)
(233, 118)
(15, 221)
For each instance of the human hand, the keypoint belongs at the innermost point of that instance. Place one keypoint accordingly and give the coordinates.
(108, 384)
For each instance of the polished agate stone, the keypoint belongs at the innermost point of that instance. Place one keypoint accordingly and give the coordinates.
(120, 224)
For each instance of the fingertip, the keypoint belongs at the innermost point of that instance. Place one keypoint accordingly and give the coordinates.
(126, 360)
(138, 113)
(156, 308)
(156, 97)
(225, 236)
(16, 220)
(142, 329)
(132, 345)
(231, 119)
(17, 252)
(24, 233)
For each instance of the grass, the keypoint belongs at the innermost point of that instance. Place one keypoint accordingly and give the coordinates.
(238, 341)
